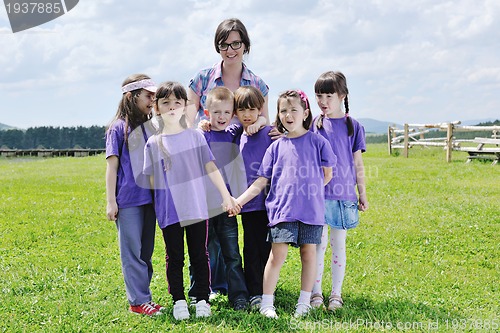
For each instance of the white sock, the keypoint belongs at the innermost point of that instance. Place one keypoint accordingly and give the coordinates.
(267, 300)
(305, 297)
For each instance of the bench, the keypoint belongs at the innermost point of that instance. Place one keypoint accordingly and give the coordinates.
(482, 152)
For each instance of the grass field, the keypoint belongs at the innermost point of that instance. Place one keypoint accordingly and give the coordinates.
(424, 258)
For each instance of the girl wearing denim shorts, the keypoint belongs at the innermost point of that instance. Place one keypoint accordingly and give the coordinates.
(298, 166)
(347, 138)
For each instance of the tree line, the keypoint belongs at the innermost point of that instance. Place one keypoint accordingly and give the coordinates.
(93, 137)
(49, 137)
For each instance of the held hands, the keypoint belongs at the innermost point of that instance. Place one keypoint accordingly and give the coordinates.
(232, 207)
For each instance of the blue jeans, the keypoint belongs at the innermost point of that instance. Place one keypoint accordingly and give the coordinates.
(218, 281)
(226, 230)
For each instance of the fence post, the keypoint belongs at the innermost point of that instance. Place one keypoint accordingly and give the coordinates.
(389, 139)
(405, 150)
(449, 143)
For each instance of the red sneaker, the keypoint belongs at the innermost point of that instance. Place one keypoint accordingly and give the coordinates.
(145, 309)
(156, 306)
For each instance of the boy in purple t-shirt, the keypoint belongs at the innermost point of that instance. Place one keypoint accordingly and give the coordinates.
(225, 260)
(248, 103)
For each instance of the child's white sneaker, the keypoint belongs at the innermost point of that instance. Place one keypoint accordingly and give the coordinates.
(269, 312)
(203, 309)
(181, 310)
(301, 309)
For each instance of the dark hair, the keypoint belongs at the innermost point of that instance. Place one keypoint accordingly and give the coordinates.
(304, 102)
(164, 90)
(225, 28)
(248, 97)
(330, 83)
(127, 108)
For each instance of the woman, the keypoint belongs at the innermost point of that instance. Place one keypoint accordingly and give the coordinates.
(232, 43)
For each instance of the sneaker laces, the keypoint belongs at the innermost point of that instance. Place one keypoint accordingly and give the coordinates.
(148, 309)
(156, 306)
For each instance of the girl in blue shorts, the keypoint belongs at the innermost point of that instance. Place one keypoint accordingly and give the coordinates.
(347, 138)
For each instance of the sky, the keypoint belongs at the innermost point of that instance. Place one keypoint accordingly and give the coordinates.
(421, 61)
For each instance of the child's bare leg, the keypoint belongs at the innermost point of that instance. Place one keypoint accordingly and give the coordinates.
(276, 259)
(308, 274)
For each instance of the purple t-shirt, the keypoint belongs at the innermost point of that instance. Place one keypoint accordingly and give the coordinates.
(177, 164)
(295, 168)
(343, 184)
(252, 149)
(131, 183)
(225, 148)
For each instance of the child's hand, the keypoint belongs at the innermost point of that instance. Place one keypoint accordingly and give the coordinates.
(363, 203)
(112, 211)
(204, 125)
(232, 207)
(252, 129)
(275, 134)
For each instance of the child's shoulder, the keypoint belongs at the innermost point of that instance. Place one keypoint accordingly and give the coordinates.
(116, 125)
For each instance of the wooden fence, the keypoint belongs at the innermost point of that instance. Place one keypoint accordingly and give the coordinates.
(486, 147)
(49, 152)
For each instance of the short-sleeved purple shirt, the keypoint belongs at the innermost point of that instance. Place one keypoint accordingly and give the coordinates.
(343, 184)
(128, 192)
(225, 148)
(177, 164)
(295, 168)
(252, 149)
(209, 78)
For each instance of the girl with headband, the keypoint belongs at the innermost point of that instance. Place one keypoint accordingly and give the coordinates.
(129, 200)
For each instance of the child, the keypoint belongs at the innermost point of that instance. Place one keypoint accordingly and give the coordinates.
(347, 138)
(177, 160)
(223, 229)
(248, 104)
(129, 204)
(298, 166)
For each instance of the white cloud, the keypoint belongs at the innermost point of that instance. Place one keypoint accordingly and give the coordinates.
(405, 61)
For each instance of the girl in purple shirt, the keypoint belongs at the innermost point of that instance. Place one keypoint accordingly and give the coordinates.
(298, 166)
(347, 138)
(248, 106)
(178, 161)
(129, 200)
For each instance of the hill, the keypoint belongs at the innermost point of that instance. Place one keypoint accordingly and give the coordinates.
(373, 126)
(4, 127)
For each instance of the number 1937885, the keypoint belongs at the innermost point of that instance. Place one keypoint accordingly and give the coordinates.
(34, 7)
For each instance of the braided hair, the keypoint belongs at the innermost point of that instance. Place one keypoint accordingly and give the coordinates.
(330, 83)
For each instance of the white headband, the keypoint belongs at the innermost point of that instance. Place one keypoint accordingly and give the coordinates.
(147, 84)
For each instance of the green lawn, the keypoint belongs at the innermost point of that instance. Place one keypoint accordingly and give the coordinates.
(424, 258)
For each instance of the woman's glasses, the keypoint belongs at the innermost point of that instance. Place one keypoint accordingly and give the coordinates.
(236, 45)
